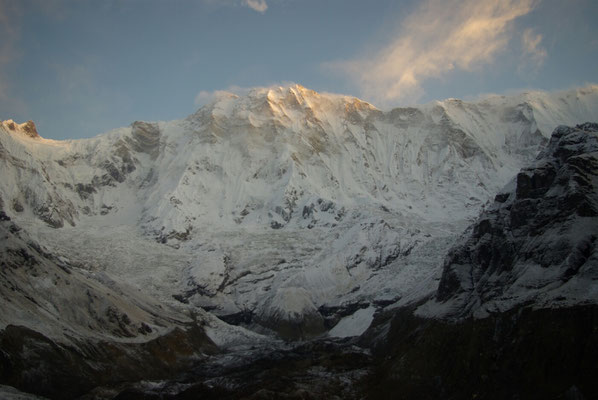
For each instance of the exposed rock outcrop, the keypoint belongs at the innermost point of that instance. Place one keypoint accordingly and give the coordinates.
(537, 242)
(26, 128)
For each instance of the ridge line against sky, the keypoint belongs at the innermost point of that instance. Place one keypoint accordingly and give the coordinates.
(82, 67)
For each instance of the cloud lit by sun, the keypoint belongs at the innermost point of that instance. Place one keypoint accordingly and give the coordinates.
(258, 5)
(440, 36)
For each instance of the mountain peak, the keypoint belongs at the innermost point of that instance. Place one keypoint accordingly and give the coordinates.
(280, 101)
(27, 128)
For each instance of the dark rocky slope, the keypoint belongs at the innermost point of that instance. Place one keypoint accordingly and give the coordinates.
(515, 313)
(51, 356)
(36, 364)
(537, 242)
(519, 354)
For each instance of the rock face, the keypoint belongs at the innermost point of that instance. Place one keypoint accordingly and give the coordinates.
(145, 138)
(537, 242)
(27, 128)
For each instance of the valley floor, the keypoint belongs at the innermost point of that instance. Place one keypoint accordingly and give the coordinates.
(526, 353)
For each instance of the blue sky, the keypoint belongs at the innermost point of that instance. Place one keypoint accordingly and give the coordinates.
(81, 67)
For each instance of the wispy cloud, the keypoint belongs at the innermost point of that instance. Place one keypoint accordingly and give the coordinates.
(532, 48)
(258, 5)
(205, 96)
(440, 36)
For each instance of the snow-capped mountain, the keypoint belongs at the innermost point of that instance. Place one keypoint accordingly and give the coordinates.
(280, 205)
(291, 214)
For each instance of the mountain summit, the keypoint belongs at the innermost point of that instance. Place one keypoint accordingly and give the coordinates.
(27, 128)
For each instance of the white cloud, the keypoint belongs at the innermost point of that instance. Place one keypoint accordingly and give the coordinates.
(205, 97)
(440, 36)
(258, 5)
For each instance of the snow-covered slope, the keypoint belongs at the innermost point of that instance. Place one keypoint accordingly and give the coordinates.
(279, 202)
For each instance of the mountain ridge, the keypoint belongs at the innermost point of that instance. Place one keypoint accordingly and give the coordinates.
(363, 239)
(264, 189)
